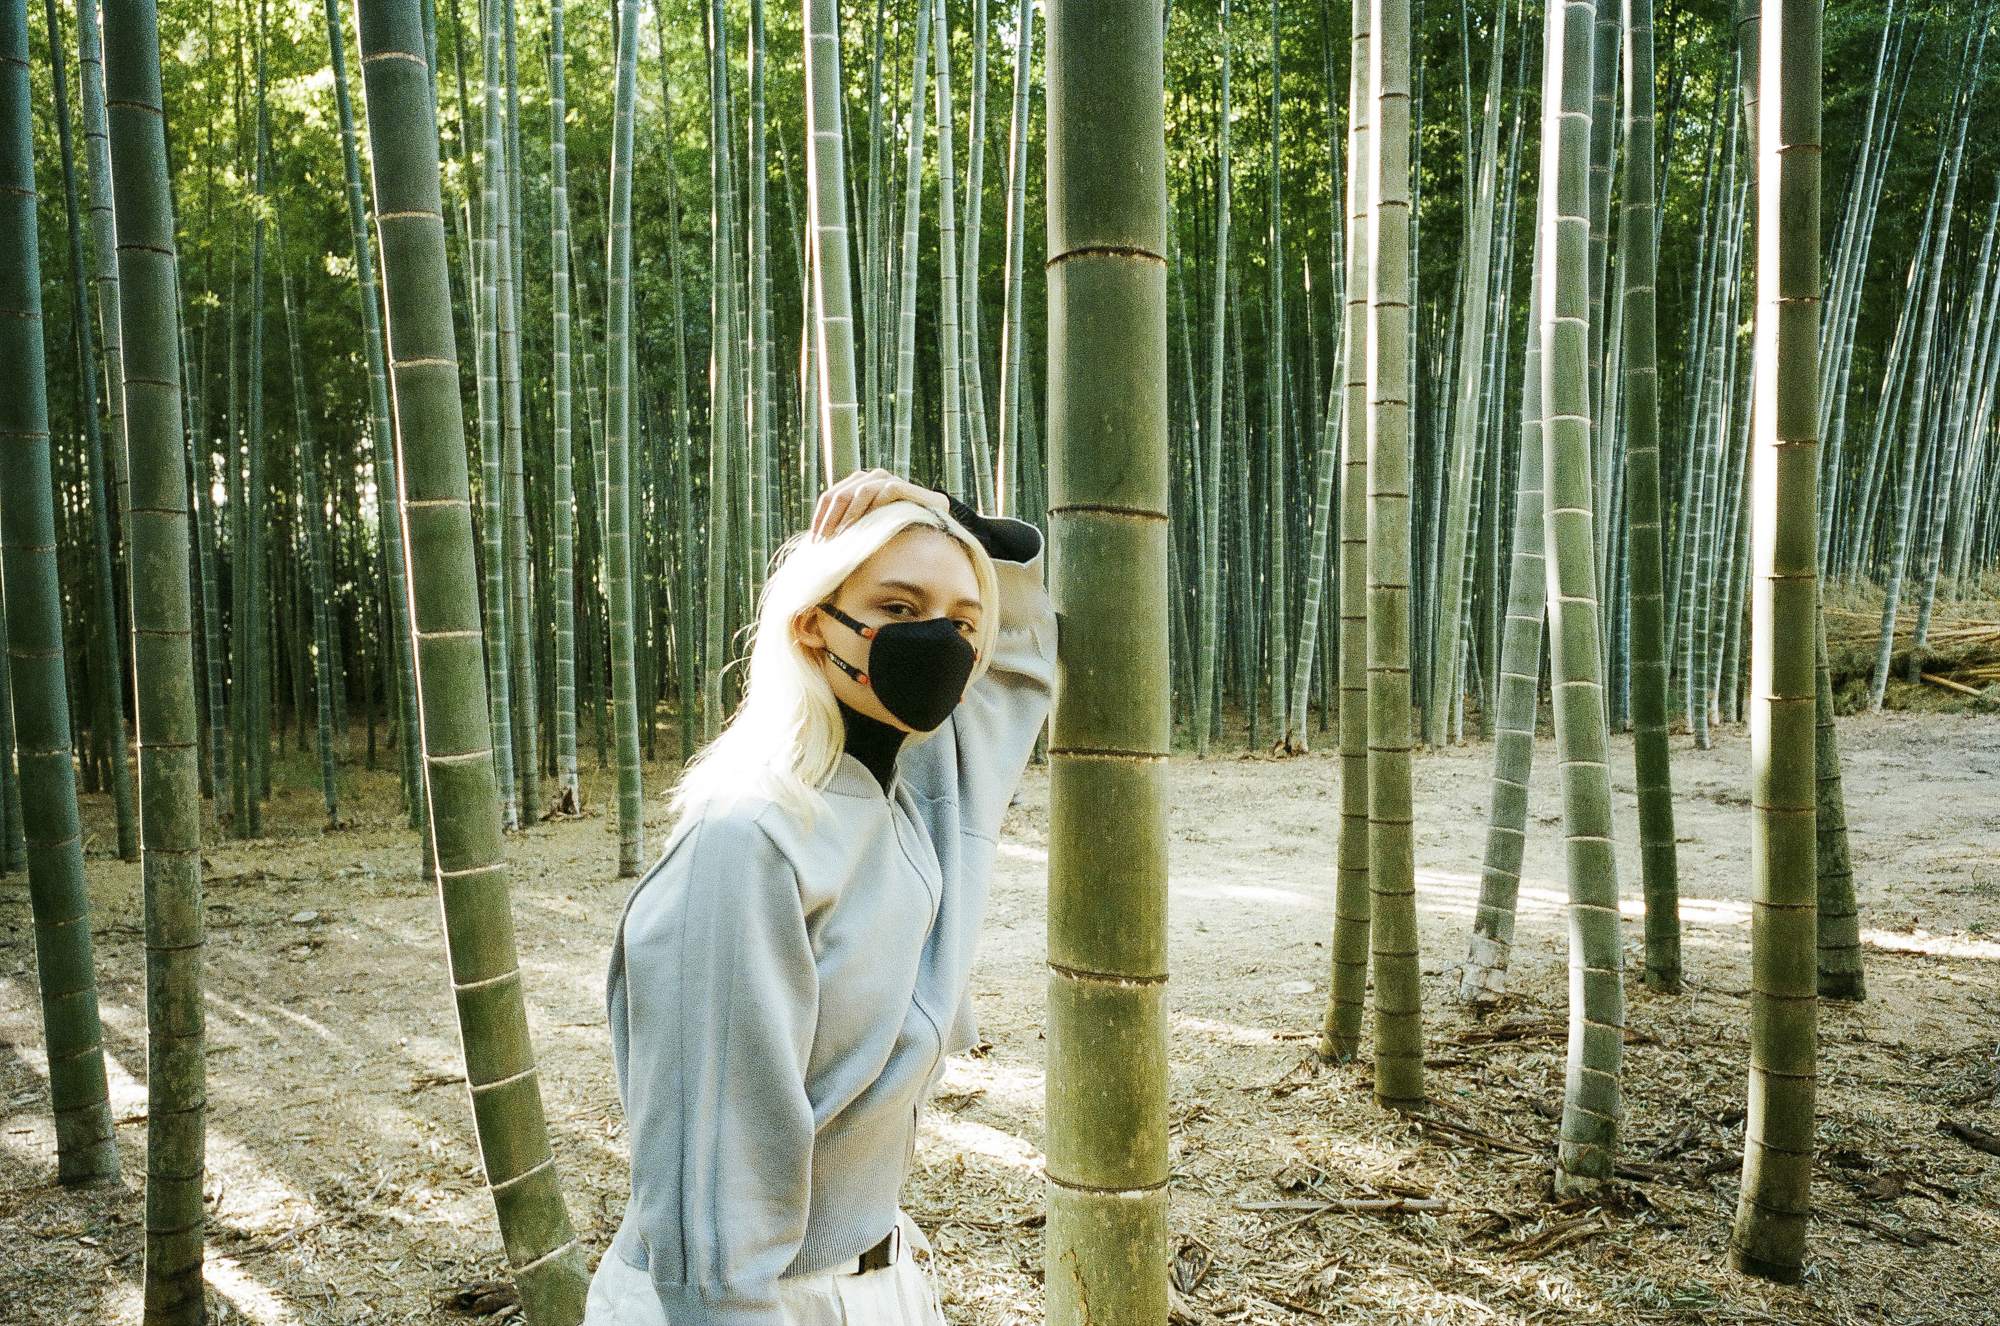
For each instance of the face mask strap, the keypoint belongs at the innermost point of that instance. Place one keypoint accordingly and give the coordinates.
(865, 632)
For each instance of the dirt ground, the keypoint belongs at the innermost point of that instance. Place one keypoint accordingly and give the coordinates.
(344, 1185)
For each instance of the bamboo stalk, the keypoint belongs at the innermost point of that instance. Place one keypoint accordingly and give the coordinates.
(1769, 1236)
(1108, 1167)
(461, 786)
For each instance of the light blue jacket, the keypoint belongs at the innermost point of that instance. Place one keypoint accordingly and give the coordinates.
(782, 998)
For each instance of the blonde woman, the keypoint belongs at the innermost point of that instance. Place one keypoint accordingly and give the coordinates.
(788, 979)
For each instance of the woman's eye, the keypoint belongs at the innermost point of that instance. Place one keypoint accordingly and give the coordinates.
(896, 609)
(965, 627)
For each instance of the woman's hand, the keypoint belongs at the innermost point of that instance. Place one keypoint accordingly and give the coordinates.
(863, 491)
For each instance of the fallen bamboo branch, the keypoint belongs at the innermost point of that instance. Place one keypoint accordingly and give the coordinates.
(1949, 684)
(1352, 1205)
(1976, 1138)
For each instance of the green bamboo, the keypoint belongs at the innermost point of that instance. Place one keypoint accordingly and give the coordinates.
(1517, 691)
(1648, 640)
(1841, 973)
(518, 578)
(86, 1143)
(163, 659)
(722, 248)
(381, 448)
(462, 790)
(492, 449)
(103, 238)
(874, 259)
(1917, 439)
(249, 636)
(1442, 707)
(1348, 977)
(1006, 488)
(1392, 887)
(1210, 585)
(977, 433)
(906, 312)
(758, 515)
(1106, 1256)
(1592, 1107)
(619, 355)
(319, 571)
(1275, 398)
(1770, 1232)
(826, 166)
(14, 844)
(951, 370)
(110, 696)
(569, 791)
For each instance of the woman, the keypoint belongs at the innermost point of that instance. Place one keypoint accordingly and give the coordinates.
(787, 981)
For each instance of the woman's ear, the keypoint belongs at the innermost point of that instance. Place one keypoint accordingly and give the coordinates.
(806, 630)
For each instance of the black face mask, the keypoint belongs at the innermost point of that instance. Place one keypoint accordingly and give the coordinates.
(918, 670)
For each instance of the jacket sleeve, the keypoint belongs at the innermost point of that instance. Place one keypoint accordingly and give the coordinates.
(721, 998)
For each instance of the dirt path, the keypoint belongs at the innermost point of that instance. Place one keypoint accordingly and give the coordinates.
(345, 1187)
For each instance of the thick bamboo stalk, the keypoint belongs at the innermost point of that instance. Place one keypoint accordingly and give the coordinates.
(462, 792)
(951, 370)
(383, 451)
(1769, 1238)
(1347, 983)
(1006, 489)
(1841, 974)
(826, 166)
(37, 686)
(517, 573)
(169, 779)
(103, 239)
(1592, 1108)
(1392, 887)
(1108, 1167)
(620, 355)
(1518, 689)
(906, 300)
(1210, 588)
(107, 662)
(722, 358)
(1648, 641)
(569, 791)
(492, 462)
(977, 432)
(1275, 396)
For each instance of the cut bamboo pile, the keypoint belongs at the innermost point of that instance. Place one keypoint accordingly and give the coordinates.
(1961, 648)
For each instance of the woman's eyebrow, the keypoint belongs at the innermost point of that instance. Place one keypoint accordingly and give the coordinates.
(923, 594)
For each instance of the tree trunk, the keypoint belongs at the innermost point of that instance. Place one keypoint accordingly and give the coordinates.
(1392, 884)
(1592, 1108)
(1770, 1233)
(86, 1144)
(169, 780)
(1647, 641)
(826, 167)
(619, 356)
(1108, 1167)
(462, 792)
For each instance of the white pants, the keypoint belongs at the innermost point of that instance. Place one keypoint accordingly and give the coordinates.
(897, 1295)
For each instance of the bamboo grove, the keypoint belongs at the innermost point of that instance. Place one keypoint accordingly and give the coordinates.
(1463, 431)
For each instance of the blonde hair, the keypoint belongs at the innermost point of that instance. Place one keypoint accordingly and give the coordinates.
(786, 736)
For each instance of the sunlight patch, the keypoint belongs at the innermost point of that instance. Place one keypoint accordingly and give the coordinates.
(245, 1294)
(969, 1137)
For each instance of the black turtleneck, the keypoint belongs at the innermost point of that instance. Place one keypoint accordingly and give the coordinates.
(872, 742)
